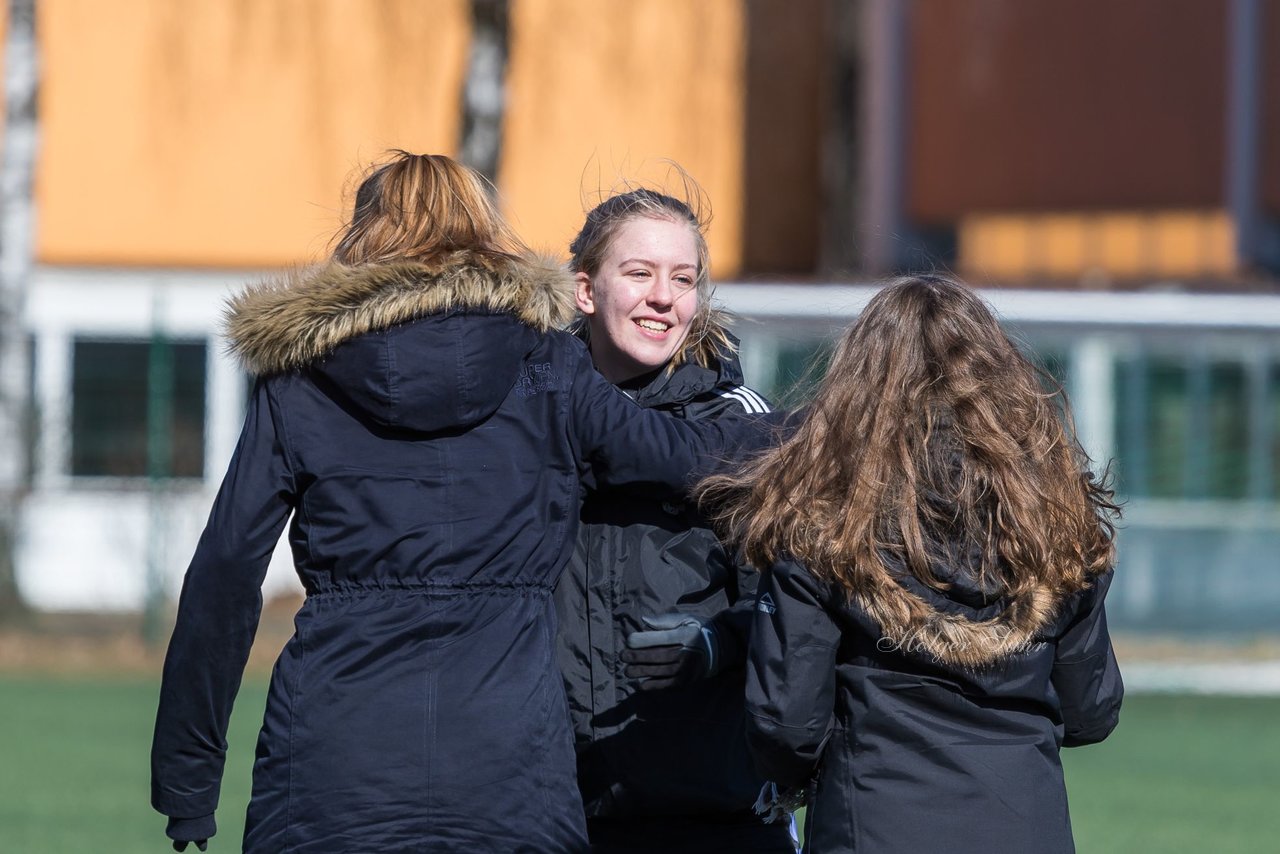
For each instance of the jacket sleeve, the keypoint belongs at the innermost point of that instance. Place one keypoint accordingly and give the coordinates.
(622, 444)
(217, 618)
(1085, 674)
(791, 675)
(733, 624)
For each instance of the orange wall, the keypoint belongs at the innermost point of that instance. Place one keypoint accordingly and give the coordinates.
(221, 132)
(599, 92)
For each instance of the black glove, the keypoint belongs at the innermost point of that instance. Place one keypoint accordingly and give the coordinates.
(185, 830)
(681, 648)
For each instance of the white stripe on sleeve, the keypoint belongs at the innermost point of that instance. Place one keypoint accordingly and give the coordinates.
(764, 404)
(747, 403)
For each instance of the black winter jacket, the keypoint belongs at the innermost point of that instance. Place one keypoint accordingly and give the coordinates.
(918, 751)
(428, 437)
(680, 750)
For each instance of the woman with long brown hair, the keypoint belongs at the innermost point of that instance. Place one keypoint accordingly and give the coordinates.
(930, 627)
(427, 427)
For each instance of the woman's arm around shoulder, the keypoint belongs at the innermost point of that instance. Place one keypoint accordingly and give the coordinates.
(1086, 675)
(791, 674)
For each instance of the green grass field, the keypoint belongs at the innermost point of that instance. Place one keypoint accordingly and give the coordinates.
(1182, 774)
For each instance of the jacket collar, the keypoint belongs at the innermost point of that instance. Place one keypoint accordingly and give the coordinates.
(289, 322)
(684, 382)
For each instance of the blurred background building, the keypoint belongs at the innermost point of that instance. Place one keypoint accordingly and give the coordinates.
(1108, 172)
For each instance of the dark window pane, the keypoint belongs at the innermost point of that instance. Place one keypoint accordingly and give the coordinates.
(1131, 426)
(31, 439)
(109, 409)
(110, 403)
(1228, 422)
(1166, 427)
(188, 410)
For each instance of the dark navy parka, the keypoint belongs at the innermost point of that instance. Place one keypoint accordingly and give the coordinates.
(427, 440)
(915, 752)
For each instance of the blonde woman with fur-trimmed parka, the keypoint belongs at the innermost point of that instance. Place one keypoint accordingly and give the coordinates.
(426, 433)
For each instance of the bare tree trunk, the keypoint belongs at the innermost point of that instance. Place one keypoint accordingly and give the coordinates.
(484, 91)
(16, 213)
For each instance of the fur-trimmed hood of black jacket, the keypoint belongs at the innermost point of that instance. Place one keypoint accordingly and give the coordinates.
(421, 681)
(389, 339)
(899, 730)
(972, 623)
(291, 321)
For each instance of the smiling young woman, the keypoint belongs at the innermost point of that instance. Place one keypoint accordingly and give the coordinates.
(652, 611)
(642, 298)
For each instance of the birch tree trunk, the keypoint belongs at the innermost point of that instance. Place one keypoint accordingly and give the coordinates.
(16, 215)
(484, 90)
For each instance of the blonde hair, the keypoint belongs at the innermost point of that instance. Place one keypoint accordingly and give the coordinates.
(419, 207)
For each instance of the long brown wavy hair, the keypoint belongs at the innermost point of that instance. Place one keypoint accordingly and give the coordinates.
(931, 439)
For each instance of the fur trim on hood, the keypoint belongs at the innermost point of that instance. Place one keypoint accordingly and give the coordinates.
(911, 623)
(292, 321)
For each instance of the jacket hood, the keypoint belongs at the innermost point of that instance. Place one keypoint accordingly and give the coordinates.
(290, 322)
(973, 623)
(441, 372)
(969, 618)
(420, 347)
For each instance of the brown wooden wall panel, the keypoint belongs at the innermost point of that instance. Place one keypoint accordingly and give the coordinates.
(787, 44)
(1044, 104)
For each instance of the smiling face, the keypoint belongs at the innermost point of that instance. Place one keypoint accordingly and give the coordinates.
(640, 302)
